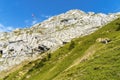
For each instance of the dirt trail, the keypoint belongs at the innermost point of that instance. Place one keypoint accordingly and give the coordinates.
(90, 51)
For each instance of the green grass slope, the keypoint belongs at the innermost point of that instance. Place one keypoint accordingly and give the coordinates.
(82, 59)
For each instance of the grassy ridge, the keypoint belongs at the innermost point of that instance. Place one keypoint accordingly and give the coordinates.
(82, 59)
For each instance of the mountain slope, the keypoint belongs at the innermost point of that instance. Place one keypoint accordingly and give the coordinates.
(22, 45)
(92, 57)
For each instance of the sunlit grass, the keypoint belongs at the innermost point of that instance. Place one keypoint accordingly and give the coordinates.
(104, 64)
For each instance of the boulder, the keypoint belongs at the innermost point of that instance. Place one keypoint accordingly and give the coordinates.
(103, 40)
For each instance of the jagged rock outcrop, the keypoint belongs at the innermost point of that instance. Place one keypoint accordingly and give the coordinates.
(20, 44)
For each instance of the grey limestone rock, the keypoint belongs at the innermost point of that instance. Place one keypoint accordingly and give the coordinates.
(21, 44)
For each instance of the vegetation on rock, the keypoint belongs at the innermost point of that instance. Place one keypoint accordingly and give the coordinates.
(81, 59)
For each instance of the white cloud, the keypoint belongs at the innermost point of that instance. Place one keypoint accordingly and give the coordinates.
(46, 16)
(30, 23)
(34, 22)
(6, 28)
(26, 21)
(117, 10)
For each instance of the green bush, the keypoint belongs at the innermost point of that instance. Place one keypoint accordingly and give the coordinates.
(118, 26)
(48, 56)
(72, 45)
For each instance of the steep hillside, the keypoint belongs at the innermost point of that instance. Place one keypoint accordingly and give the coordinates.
(22, 45)
(92, 57)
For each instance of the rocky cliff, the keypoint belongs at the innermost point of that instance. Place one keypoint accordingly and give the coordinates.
(23, 44)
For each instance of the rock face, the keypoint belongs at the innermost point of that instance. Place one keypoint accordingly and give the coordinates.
(21, 44)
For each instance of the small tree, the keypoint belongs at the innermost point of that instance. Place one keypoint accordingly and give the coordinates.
(1, 52)
(44, 59)
(49, 56)
(72, 45)
(118, 28)
(0, 55)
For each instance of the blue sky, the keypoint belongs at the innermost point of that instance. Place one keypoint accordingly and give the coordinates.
(25, 13)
